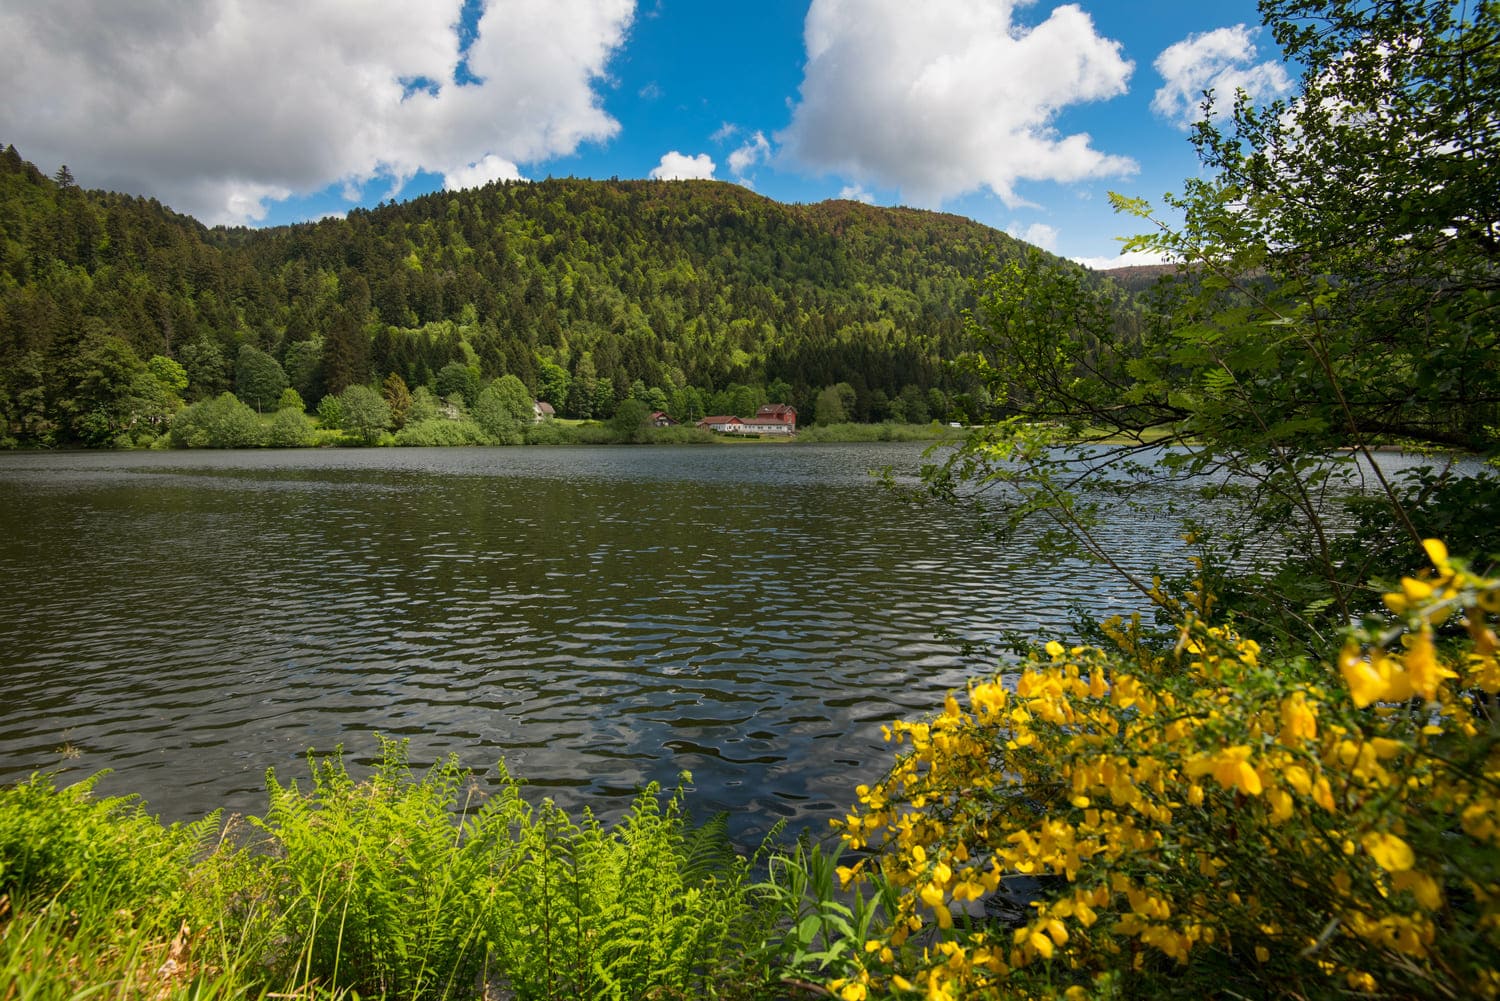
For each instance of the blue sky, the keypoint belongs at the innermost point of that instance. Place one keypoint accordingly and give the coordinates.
(1022, 115)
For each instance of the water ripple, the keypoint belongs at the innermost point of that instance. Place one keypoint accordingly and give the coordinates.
(600, 618)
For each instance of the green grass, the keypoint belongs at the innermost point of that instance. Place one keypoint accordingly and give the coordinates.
(398, 886)
(886, 431)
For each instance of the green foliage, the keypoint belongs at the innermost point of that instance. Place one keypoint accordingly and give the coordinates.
(424, 406)
(456, 377)
(504, 411)
(100, 403)
(680, 436)
(1288, 348)
(368, 886)
(639, 909)
(258, 378)
(223, 422)
(397, 397)
(172, 376)
(632, 422)
(875, 432)
(331, 412)
(826, 922)
(399, 885)
(291, 399)
(441, 431)
(834, 404)
(553, 384)
(290, 428)
(68, 848)
(363, 413)
(551, 433)
(698, 287)
(303, 363)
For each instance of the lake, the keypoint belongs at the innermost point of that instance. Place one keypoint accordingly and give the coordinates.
(598, 617)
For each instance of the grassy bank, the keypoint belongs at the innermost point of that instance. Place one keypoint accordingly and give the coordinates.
(399, 886)
(559, 431)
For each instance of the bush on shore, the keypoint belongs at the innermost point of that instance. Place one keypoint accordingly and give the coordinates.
(1209, 819)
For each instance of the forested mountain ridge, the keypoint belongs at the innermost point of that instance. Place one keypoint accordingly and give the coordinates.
(693, 292)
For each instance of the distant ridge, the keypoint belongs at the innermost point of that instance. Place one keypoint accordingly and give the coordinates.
(593, 289)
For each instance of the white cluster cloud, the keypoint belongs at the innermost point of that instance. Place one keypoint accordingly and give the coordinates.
(475, 175)
(757, 149)
(1038, 234)
(856, 193)
(218, 108)
(677, 166)
(1222, 60)
(1133, 259)
(949, 96)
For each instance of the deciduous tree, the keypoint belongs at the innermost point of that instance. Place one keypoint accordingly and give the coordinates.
(364, 413)
(1340, 289)
(258, 378)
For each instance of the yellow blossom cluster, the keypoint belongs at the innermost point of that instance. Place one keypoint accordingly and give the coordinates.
(1276, 824)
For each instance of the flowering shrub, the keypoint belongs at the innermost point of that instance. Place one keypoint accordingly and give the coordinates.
(1211, 820)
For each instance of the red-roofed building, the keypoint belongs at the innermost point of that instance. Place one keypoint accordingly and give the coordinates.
(726, 423)
(773, 419)
(780, 412)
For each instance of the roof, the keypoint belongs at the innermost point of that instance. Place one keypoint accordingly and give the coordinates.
(543, 407)
(721, 419)
(776, 409)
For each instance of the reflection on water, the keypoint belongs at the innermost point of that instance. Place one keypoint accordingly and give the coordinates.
(601, 618)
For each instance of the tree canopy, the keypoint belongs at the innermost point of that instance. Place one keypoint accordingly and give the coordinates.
(579, 289)
(1338, 289)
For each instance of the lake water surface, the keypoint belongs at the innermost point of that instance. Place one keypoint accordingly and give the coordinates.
(598, 617)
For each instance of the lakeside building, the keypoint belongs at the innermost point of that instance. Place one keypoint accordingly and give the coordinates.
(773, 418)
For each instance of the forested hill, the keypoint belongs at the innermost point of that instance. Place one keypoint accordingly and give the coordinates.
(694, 293)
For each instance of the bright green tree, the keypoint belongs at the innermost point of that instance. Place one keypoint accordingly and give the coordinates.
(303, 363)
(331, 412)
(583, 388)
(157, 392)
(171, 375)
(222, 422)
(504, 411)
(424, 406)
(290, 428)
(290, 399)
(555, 383)
(365, 413)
